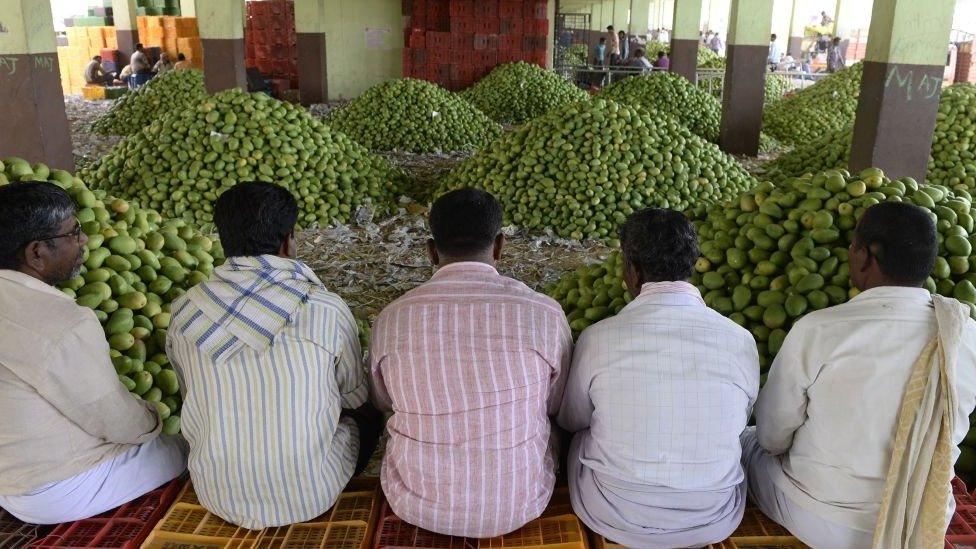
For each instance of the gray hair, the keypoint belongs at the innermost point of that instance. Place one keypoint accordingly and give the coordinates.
(30, 211)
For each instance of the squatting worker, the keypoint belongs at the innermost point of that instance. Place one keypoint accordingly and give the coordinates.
(658, 396)
(163, 65)
(73, 441)
(836, 426)
(271, 369)
(181, 62)
(95, 74)
(471, 364)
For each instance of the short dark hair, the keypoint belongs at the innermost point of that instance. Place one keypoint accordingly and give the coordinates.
(180, 57)
(603, 39)
(609, 27)
(30, 211)
(97, 58)
(638, 52)
(661, 243)
(772, 36)
(255, 218)
(139, 46)
(901, 236)
(465, 222)
(660, 54)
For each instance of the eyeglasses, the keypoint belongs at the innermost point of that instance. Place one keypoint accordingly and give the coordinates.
(76, 233)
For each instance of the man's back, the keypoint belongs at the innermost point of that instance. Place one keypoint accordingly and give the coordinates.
(267, 444)
(471, 363)
(834, 394)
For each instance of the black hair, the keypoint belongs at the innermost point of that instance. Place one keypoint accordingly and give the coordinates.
(610, 27)
(30, 211)
(661, 244)
(255, 218)
(901, 237)
(603, 39)
(97, 58)
(465, 222)
(661, 54)
(139, 46)
(772, 37)
(180, 57)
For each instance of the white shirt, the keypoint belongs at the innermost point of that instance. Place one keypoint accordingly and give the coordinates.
(773, 53)
(665, 387)
(833, 395)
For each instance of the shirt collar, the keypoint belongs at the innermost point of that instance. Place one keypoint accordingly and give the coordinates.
(678, 287)
(894, 292)
(30, 282)
(464, 267)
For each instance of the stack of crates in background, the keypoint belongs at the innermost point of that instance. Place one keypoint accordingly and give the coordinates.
(99, 15)
(85, 42)
(173, 35)
(457, 42)
(158, 7)
(270, 42)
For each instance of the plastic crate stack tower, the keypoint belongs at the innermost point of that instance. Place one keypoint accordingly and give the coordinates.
(173, 35)
(158, 7)
(85, 42)
(457, 42)
(270, 42)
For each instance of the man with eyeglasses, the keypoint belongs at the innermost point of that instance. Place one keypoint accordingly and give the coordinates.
(73, 442)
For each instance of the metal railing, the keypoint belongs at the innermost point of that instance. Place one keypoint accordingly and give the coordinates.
(587, 76)
(713, 80)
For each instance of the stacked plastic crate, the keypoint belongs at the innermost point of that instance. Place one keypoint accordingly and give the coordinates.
(173, 35)
(456, 42)
(270, 42)
(84, 43)
(158, 7)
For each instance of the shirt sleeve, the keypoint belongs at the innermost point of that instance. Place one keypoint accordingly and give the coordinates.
(378, 393)
(350, 375)
(782, 405)
(577, 408)
(88, 392)
(562, 357)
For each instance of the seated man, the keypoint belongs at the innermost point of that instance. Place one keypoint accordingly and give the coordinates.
(74, 441)
(181, 63)
(471, 363)
(658, 396)
(640, 61)
(269, 362)
(835, 423)
(95, 74)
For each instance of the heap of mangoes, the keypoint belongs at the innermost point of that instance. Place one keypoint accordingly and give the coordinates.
(415, 116)
(181, 163)
(515, 93)
(136, 264)
(672, 95)
(172, 91)
(581, 169)
(827, 106)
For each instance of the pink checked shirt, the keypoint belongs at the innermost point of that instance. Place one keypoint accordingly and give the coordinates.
(472, 364)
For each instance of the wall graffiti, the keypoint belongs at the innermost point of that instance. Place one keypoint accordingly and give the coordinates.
(921, 87)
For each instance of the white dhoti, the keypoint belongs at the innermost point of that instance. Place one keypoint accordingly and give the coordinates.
(106, 486)
(808, 527)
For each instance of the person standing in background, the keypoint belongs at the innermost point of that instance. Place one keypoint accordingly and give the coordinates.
(835, 57)
(613, 44)
(716, 44)
(600, 52)
(624, 46)
(773, 59)
(138, 61)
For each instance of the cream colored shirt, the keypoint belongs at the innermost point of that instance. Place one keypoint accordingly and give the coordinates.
(833, 395)
(63, 409)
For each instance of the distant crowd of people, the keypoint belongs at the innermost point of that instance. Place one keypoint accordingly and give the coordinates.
(613, 50)
(139, 64)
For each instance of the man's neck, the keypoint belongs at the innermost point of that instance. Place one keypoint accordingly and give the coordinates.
(33, 274)
(445, 261)
(886, 284)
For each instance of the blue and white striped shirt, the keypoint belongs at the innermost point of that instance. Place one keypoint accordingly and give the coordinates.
(267, 445)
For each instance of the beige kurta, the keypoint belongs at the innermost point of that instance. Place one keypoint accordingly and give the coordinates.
(63, 408)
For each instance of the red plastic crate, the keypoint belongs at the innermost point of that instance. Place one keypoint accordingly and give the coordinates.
(510, 9)
(123, 528)
(438, 40)
(417, 38)
(513, 27)
(534, 9)
(961, 493)
(438, 56)
(536, 27)
(480, 42)
(486, 9)
(462, 8)
(487, 25)
(15, 534)
(509, 43)
(960, 542)
(462, 41)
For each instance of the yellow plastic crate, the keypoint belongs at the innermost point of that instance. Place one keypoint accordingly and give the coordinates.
(756, 531)
(348, 524)
(552, 532)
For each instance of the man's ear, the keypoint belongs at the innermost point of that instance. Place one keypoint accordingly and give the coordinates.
(432, 253)
(496, 252)
(34, 255)
(289, 248)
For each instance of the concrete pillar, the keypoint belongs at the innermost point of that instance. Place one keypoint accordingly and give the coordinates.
(607, 15)
(313, 81)
(188, 8)
(551, 34)
(621, 15)
(126, 29)
(640, 13)
(899, 100)
(684, 38)
(797, 26)
(222, 33)
(745, 74)
(32, 110)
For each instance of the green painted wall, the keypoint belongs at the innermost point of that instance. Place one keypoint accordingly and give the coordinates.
(354, 63)
(750, 22)
(30, 27)
(621, 14)
(640, 16)
(687, 19)
(188, 8)
(124, 14)
(310, 16)
(221, 19)
(910, 31)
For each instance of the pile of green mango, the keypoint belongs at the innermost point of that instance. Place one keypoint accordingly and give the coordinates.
(136, 264)
(581, 169)
(515, 93)
(415, 116)
(952, 161)
(775, 88)
(707, 59)
(180, 164)
(827, 106)
(672, 95)
(172, 91)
